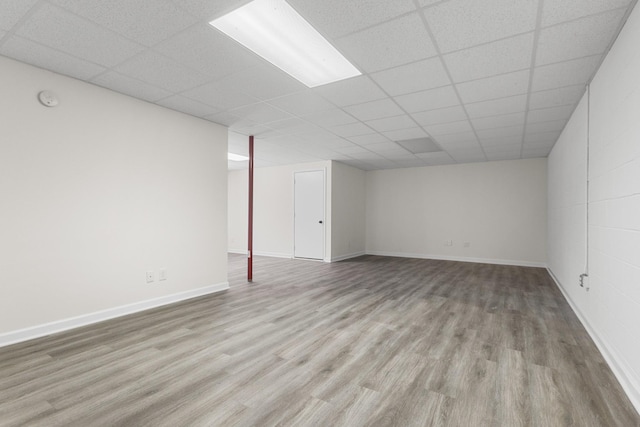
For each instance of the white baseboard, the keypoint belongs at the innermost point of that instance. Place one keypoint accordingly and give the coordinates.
(619, 367)
(461, 259)
(38, 331)
(260, 253)
(347, 256)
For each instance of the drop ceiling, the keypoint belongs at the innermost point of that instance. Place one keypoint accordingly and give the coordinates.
(485, 80)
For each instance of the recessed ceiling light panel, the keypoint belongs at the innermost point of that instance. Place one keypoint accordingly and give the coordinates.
(420, 145)
(276, 32)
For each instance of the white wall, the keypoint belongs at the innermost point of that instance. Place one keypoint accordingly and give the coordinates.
(272, 209)
(498, 207)
(611, 308)
(94, 193)
(347, 211)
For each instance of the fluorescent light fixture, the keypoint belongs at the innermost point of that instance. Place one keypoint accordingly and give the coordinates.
(236, 157)
(276, 32)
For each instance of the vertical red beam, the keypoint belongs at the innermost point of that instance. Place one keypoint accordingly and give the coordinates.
(250, 233)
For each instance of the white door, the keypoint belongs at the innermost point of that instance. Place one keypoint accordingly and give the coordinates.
(309, 214)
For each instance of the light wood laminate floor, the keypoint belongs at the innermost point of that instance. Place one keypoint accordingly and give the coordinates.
(372, 341)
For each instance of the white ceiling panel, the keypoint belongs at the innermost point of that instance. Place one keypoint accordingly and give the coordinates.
(335, 18)
(352, 129)
(462, 126)
(494, 87)
(132, 87)
(421, 75)
(161, 71)
(499, 57)
(13, 11)
(330, 118)
(458, 24)
(402, 134)
(207, 50)
(375, 109)
(45, 57)
(548, 114)
(186, 105)
(147, 22)
(392, 123)
(496, 107)
(564, 73)
(352, 91)
(302, 103)
(591, 36)
(61, 30)
(556, 11)
(390, 44)
(505, 120)
(551, 126)
(428, 100)
(164, 51)
(568, 95)
(443, 115)
(261, 113)
(374, 138)
(509, 155)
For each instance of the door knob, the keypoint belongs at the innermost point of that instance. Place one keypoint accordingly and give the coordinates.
(319, 222)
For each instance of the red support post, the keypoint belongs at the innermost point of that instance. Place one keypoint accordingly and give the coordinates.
(250, 233)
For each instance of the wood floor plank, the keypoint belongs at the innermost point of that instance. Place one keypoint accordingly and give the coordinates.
(370, 341)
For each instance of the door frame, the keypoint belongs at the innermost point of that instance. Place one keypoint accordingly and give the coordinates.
(324, 215)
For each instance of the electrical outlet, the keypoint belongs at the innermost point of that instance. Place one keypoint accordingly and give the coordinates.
(162, 274)
(150, 276)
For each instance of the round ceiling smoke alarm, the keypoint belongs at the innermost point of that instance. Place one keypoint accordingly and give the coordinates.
(48, 98)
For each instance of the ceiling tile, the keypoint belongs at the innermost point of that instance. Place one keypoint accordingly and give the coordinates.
(207, 50)
(386, 146)
(61, 30)
(387, 45)
(351, 91)
(428, 100)
(495, 107)
(447, 128)
(569, 95)
(590, 36)
(374, 138)
(442, 115)
(188, 106)
(468, 156)
(556, 11)
(335, 18)
(391, 123)
(548, 114)
(494, 87)
(551, 126)
(224, 118)
(505, 120)
(146, 22)
(302, 103)
(220, 95)
(132, 87)
(487, 134)
(499, 57)
(352, 129)
(161, 71)
(207, 10)
(375, 109)
(541, 137)
(263, 81)
(457, 138)
(567, 73)
(12, 12)
(42, 56)
(402, 134)
(514, 149)
(458, 24)
(503, 141)
(354, 150)
(330, 118)
(260, 113)
(414, 77)
(510, 155)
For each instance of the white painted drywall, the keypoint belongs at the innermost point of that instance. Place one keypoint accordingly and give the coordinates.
(97, 191)
(498, 207)
(273, 209)
(347, 211)
(611, 308)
